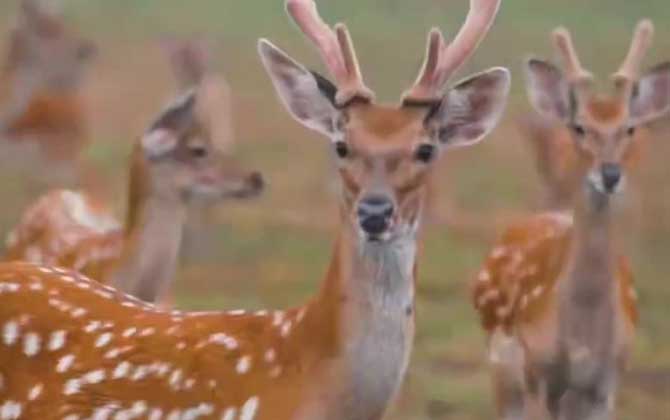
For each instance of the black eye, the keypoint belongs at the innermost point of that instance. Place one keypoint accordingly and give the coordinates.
(198, 152)
(630, 131)
(578, 129)
(341, 149)
(425, 153)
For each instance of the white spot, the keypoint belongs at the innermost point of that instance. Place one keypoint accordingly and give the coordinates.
(129, 332)
(72, 387)
(632, 293)
(221, 338)
(78, 312)
(147, 332)
(243, 365)
(104, 413)
(103, 339)
(10, 410)
(237, 312)
(175, 378)
(35, 392)
(31, 344)
(286, 329)
(189, 383)
(498, 252)
(489, 295)
(92, 326)
(270, 355)
(261, 312)
(10, 333)
(94, 376)
(156, 414)
(174, 415)
(248, 411)
(57, 340)
(181, 345)
(229, 414)
(484, 276)
(277, 318)
(275, 372)
(301, 315)
(121, 370)
(537, 291)
(64, 363)
(140, 373)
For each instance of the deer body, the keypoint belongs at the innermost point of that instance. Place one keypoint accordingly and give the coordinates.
(556, 295)
(344, 354)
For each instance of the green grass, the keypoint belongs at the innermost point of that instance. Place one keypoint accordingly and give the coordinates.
(273, 252)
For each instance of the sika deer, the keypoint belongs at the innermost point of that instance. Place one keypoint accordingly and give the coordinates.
(342, 355)
(556, 294)
(175, 163)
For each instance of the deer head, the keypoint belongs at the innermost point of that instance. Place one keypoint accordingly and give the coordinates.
(602, 126)
(384, 153)
(178, 159)
(45, 51)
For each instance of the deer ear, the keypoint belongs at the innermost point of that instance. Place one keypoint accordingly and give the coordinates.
(307, 96)
(472, 108)
(163, 135)
(548, 91)
(652, 97)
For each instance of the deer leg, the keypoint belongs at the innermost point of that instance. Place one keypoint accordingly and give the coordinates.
(586, 405)
(506, 357)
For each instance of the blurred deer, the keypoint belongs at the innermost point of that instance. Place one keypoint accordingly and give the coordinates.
(42, 118)
(175, 163)
(341, 355)
(556, 294)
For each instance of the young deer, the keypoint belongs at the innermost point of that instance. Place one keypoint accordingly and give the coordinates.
(556, 294)
(175, 163)
(41, 112)
(80, 350)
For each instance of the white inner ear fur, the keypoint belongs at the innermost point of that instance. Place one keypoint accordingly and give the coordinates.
(473, 108)
(298, 91)
(548, 91)
(158, 142)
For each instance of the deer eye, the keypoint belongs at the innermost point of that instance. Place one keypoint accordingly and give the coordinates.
(578, 130)
(198, 152)
(341, 149)
(631, 131)
(425, 153)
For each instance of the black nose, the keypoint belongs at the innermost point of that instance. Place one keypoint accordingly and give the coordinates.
(611, 173)
(256, 181)
(374, 214)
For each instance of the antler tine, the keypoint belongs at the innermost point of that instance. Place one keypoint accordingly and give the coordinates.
(442, 60)
(574, 70)
(336, 49)
(630, 68)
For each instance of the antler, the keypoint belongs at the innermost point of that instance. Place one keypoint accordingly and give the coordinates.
(629, 71)
(336, 48)
(577, 75)
(442, 60)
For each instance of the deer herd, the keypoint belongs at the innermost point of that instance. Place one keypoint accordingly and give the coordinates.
(87, 324)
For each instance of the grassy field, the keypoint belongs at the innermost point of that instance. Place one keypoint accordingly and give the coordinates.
(273, 252)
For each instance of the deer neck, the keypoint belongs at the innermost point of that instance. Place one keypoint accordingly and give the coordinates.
(365, 312)
(587, 293)
(152, 237)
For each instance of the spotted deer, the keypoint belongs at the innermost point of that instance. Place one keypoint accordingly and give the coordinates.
(556, 294)
(85, 351)
(174, 164)
(42, 117)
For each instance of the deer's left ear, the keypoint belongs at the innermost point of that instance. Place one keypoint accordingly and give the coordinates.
(652, 97)
(471, 109)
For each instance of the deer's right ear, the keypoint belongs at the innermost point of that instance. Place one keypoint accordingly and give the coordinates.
(163, 135)
(309, 97)
(548, 91)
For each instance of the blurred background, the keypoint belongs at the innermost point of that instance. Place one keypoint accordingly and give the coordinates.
(273, 252)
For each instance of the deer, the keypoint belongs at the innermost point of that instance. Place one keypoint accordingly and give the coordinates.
(556, 295)
(176, 163)
(341, 355)
(42, 115)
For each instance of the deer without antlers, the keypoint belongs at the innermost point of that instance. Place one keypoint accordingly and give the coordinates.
(42, 117)
(175, 163)
(556, 294)
(342, 355)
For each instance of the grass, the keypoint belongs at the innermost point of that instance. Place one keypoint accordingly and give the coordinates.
(273, 252)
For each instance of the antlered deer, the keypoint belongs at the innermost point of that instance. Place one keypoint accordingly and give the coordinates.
(556, 294)
(175, 163)
(42, 118)
(79, 350)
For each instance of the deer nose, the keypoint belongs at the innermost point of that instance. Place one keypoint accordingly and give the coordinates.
(611, 173)
(374, 214)
(256, 181)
